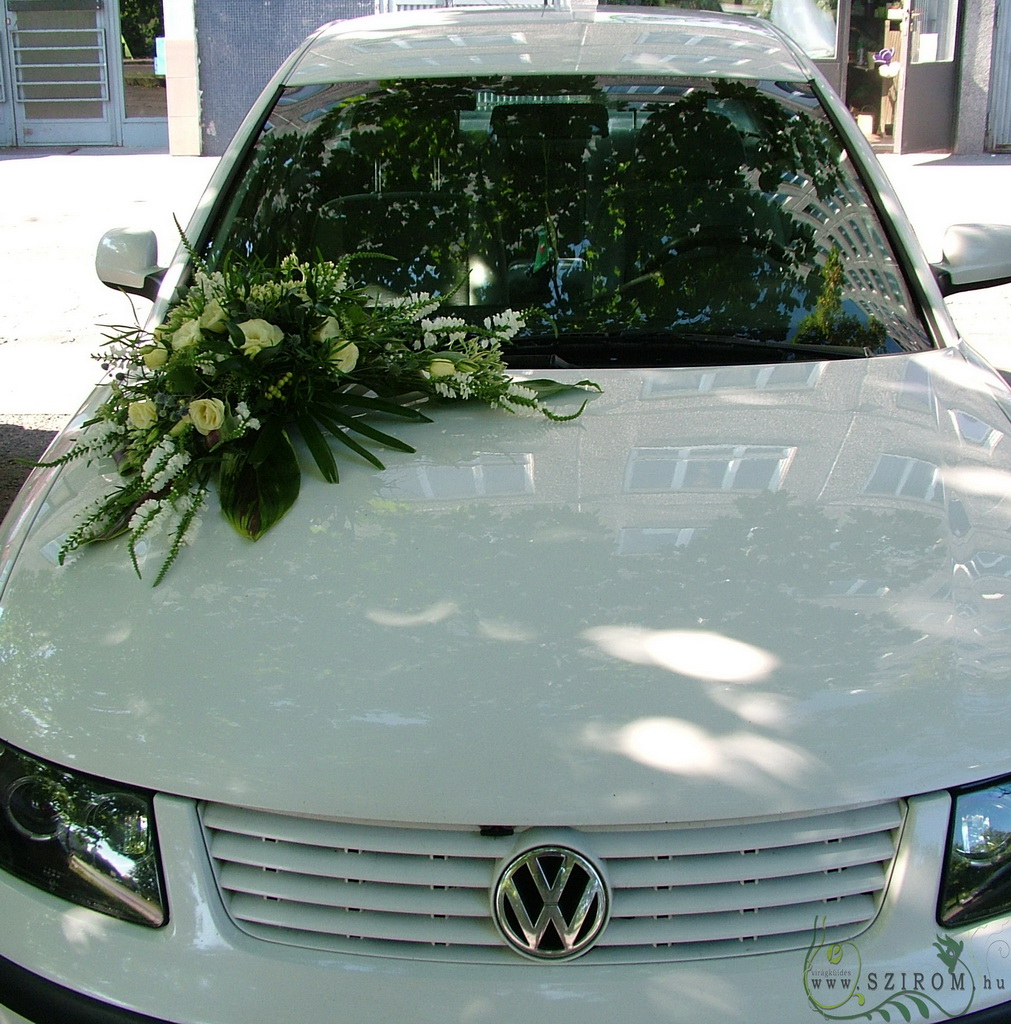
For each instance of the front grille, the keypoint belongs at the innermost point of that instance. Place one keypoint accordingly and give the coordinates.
(682, 893)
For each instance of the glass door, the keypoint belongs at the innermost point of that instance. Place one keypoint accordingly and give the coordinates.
(60, 71)
(929, 77)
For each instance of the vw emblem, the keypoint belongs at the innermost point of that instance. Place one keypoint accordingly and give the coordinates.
(551, 903)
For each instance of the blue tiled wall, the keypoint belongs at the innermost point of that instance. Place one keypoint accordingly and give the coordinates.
(241, 43)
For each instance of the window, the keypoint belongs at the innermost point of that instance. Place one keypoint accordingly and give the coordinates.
(708, 468)
(932, 30)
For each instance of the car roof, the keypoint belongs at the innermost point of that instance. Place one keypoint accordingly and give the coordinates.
(581, 40)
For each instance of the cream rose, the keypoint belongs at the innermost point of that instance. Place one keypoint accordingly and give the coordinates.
(143, 414)
(155, 356)
(331, 329)
(259, 335)
(207, 414)
(213, 318)
(344, 356)
(187, 335)
(442, 368)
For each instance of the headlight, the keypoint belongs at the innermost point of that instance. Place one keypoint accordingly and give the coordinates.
(85, 840)
(977, 875)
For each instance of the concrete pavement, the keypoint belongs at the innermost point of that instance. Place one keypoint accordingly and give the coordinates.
(937, 191)
(56, 204)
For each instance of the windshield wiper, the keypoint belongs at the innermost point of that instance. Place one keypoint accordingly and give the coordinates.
(663, 348)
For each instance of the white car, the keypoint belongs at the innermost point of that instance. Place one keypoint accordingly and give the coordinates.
(691, 708)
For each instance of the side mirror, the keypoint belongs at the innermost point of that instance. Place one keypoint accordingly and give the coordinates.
(127, 259)
(974, 256)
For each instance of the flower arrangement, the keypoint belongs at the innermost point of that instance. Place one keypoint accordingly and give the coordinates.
(251, 352)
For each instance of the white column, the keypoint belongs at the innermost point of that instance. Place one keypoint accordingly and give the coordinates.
(181, 79)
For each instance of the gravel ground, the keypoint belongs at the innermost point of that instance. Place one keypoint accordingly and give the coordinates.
(26, 440)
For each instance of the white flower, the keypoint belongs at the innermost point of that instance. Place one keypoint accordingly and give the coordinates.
(144, 515)
(259, 335)
(164, 464)
(207, 414)
(213, 318)
(175, 465)
(246, 420)
(102, 433)
(155, 356)
(209, 283)
(190, 536)
(343, 353)
(520, 400)
(143, 414)
(188, 334)
(344, 356)
(506, 324)
(330, 329)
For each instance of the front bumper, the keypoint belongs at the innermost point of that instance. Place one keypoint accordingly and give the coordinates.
(63, 963)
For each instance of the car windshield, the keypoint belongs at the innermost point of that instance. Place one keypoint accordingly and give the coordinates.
(632, 221)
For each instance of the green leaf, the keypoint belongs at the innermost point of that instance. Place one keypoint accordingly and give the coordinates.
(350, 442)
(182, 380)
(380, 436)
(238, 338)
(921, 1005)
(319, 448)
(269, 436)
(545, 388)
(346, 398)
(256, 494)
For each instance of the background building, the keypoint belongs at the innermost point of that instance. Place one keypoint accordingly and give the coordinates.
(921, 75)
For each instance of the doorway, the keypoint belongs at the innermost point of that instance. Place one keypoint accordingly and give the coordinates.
(80, 75)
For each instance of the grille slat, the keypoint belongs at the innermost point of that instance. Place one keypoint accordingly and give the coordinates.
(359, 896)
(698, 928)
(341, 863)
(678, 893)
(427, 842)
(775, 834)
(776, 892)
(746, 867)
(407, 928)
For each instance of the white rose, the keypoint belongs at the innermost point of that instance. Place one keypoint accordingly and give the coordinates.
(213, 318)
(188, 334)
(143, 414)
(344, 356)
(442, 368)
(331, 329)
(155, 356)
(207, 414)
(259, 335)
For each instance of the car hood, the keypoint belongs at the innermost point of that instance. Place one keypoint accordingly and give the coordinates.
(720, 593)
